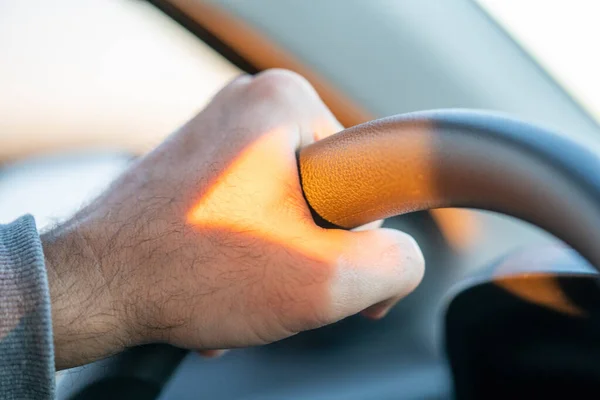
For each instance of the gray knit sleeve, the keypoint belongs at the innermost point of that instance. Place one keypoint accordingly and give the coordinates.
(26, 347)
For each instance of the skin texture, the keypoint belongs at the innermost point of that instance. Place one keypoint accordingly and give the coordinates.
(207, 242)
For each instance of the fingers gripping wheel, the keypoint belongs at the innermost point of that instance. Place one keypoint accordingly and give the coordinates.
(456, 158)
(419, 161)
(503, 346)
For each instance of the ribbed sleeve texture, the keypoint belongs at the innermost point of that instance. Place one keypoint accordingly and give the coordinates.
(26, 347)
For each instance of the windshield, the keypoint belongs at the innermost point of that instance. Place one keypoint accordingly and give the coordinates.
(98, 74)
(562, 36)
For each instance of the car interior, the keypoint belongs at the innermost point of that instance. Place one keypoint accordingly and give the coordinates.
(505, 310)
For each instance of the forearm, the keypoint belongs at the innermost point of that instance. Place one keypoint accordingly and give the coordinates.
(86, 320)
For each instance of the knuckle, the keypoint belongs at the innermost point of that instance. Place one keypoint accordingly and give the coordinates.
(239, 81)
(278, 83)
(231, 89)
(314, 315)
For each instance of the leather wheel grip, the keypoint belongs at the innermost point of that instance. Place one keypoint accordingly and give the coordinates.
(456, 158)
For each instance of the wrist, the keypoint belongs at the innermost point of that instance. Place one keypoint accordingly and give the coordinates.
(87, 320)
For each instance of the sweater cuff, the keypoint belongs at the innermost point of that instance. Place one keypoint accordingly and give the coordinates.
(26, 345)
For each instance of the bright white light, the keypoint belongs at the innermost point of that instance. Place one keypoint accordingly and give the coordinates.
(562, 36)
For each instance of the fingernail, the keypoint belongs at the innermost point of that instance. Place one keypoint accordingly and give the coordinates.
(420, 259)
(213, 353)
(415, 264)
(376, 312)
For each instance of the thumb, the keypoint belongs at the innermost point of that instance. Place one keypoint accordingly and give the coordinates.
(376, 267)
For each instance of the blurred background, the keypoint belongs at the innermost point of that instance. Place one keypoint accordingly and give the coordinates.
(85, 85)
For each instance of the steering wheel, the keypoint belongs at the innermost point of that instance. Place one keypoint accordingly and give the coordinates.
(406, 163)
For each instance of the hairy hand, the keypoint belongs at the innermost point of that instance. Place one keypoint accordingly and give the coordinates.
(207, 242)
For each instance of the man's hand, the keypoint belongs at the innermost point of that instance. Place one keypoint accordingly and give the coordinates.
(207, 242)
